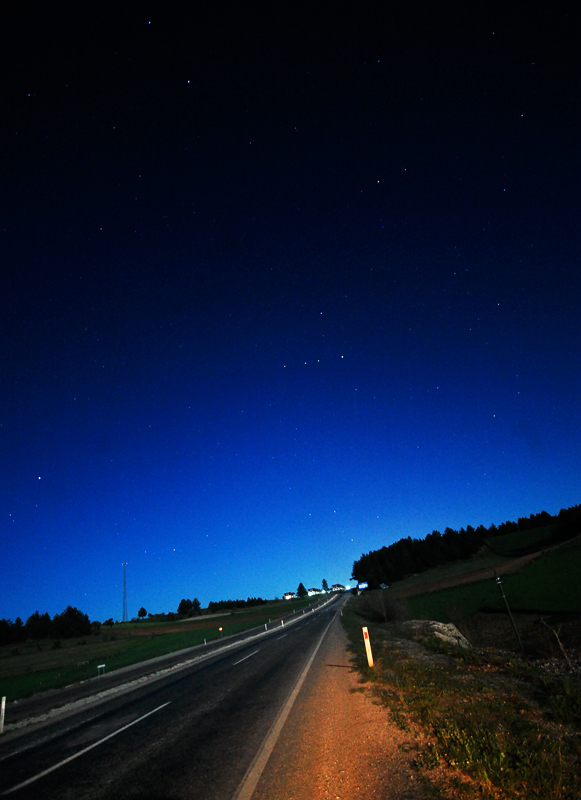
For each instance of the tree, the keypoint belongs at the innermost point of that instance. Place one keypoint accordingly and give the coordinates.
(69, 624)
(12, 632)
(38, 626)
(142, 613)
(196, 607)
(325, 585)
(301, 591)
(185, 606)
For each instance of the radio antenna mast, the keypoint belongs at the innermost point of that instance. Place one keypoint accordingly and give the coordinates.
(124, 592)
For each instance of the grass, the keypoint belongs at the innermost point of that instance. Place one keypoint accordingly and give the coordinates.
(548, 585)
(523, 542)
(488, 725)
(439, 605)
(506, 548)
(481, 560)
(37, 666)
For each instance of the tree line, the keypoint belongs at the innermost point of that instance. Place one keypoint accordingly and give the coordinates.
(66, 625)
(228, 605)
(410, 556)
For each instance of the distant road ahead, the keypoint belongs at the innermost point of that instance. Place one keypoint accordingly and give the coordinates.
(191, 735)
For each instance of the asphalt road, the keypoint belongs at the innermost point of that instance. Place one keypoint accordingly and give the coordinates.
(193, 734)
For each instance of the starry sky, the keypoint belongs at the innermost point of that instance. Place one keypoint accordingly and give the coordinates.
(282, 284)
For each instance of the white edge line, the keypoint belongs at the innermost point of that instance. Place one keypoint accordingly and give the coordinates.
(81, 752)
(255, 770)
(245, 657)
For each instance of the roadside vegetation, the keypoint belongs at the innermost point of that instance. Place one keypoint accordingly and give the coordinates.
(491, 720)
(41, 664)
(487, 723)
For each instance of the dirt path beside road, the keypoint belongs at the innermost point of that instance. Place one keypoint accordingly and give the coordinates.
(336, 743)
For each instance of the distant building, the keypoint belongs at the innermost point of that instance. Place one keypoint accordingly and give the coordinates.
(312, 592)
(289, 596)
(337, 587)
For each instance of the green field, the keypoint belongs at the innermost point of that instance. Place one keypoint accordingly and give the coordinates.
(523, 542)
(40, 665)
(549, 585)
(455, 569)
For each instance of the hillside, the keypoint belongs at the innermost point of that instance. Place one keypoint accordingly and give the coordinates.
(408, 557)
(542, 590)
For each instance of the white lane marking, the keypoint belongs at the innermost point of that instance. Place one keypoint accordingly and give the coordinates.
(280, 637)
(245, 657)
(255, 770)
(157, 675)
(81, 752)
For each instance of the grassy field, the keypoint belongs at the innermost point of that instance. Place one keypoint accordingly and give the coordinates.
(549, 585)
(40, 665)
(456, 569)
(482, 724)
(504, 550)
(522, 542)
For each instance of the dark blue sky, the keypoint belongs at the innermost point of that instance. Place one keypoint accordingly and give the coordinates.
(280, 288)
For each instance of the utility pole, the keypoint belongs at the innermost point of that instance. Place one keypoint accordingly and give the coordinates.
(124, 592)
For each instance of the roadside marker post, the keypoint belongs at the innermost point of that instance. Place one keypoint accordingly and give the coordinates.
(100, 670)
(2, 712)
(367, 646)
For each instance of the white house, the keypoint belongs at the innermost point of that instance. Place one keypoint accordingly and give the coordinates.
(312, 592)
(337, 587)
(289, 596)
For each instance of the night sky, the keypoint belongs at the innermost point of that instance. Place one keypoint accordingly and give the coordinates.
(279, 287)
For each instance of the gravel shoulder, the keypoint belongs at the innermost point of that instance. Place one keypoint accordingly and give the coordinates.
(336, 742)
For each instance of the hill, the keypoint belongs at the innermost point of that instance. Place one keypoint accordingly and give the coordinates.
(408, 556)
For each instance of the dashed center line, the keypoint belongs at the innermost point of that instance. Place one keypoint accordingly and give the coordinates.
(245, 657)
(81, 752)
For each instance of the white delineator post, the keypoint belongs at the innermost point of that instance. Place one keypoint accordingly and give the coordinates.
(367, 646)
(2, 712)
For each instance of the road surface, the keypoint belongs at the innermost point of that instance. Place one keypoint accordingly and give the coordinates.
(202, 732)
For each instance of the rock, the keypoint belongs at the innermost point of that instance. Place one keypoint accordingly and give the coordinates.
(445, 631)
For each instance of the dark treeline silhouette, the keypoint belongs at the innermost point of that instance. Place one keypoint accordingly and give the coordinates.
(190, 607)
(410, 556)
(227, 605)
(70, 623)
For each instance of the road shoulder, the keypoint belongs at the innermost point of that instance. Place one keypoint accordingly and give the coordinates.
(336, 742)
